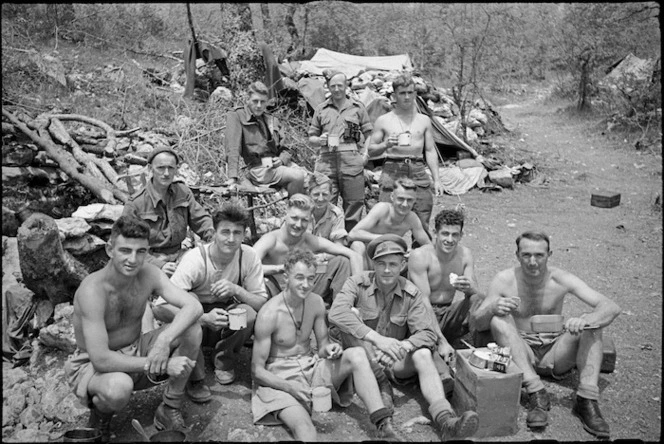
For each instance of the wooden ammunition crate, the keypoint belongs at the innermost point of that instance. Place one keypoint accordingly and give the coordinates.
(605, 199)
(493, 395)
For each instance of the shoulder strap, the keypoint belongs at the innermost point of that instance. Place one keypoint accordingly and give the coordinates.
(205, 260)
(239, 279)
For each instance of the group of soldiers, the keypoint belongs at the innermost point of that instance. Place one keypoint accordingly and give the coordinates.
(332, 298)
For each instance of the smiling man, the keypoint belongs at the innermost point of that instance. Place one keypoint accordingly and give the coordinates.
(533, 288)
(113, 358)
(256, 136)
(405, 137)
(285, 369)
(395, 217)
(223, 275)
(168, 207)
(338, 127)
(273, 247)
(439, 271)
(386, 314)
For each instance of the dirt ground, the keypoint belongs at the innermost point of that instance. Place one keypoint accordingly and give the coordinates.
(617, 251)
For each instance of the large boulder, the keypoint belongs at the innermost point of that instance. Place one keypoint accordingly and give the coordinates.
(60, 334)
(71, 227)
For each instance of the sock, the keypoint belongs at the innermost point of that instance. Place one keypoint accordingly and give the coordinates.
(379, 415)
(588, 391)
(533, 385)
(440, 409)
(172, 399)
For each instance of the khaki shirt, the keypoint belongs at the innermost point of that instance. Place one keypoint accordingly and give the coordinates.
(247, 137)
(327, 118)
(169, 218)
(331, 226)
(399, 315)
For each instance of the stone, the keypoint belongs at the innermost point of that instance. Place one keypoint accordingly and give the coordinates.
(99, 211)
(8, 418)
(64, 310)
(471, 136)
(70, 409)
(30, 415)
(221, 95)
(72, 227)
(33, 397)
(478, 115)
(59, 335)
(9, 222)
(187, 175)
(52, 399)
(29, 435)
(87, 243)
(11, 266)
(13, 377)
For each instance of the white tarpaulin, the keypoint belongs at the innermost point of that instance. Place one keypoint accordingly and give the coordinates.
(351, 65)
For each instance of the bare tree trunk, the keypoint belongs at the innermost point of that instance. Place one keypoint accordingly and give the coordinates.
(584, 93)
(292, 30)
(257, 22)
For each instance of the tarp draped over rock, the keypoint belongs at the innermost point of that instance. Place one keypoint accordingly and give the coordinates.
(351, 65)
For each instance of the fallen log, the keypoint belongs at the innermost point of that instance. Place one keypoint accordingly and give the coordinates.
(110, 132)
(47, 269)
(65, 160)
(59, 133)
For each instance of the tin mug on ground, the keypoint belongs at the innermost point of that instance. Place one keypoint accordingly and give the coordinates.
(322, 399)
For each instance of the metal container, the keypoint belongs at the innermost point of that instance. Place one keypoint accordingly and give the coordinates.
(169, 436)
(82, 435)
(547, 323)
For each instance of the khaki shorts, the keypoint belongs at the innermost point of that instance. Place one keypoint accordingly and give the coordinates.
(543, 348)
(310, 370)
(79, 370)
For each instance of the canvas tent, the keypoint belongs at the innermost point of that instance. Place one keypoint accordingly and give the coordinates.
(351, 65)
(312, 89)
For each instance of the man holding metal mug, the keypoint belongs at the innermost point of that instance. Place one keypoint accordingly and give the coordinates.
(338, 126)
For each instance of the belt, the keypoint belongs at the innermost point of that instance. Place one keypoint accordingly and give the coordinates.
(405, 159)
(342, 148)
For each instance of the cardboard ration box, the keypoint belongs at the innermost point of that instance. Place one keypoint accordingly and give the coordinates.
(493, 395)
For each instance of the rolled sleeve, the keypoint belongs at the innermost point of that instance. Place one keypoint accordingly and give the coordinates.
(365, 122)
(200, 220)
(315, 128)
(340, 313)
(253, 281)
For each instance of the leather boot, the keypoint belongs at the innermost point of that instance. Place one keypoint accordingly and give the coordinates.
(102, 422)
(388, 431)
(588, 411)
(168, 418)
(384, 385)
(538, 405)
(453, 427)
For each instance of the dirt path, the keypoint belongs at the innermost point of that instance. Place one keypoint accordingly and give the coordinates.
(617, 251)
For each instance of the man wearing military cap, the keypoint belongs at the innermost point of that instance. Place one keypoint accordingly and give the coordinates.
(169, 208)
(256, 136)
(386, 314)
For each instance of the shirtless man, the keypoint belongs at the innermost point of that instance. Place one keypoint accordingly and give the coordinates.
(395, 217)
(534, 288)
(285, 369)
(273, 247)
(404, 157)
(113, 358)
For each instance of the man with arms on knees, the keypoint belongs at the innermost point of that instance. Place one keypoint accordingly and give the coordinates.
(386, 315)
(273, 247)
(439, 271)
(403, 154)
(168, 208)
(113, 358)
(256, 136)
(533, 288)
(395, 217)
(337, 128)
(285, 369)
(223, 275)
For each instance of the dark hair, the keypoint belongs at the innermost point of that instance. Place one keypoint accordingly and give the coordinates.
(406, 183)
(297, 255)
(130, 227)
(232, 212)
(448, 217)
(258, 87)
(301, 201)
(403, 79)
(534, 236)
